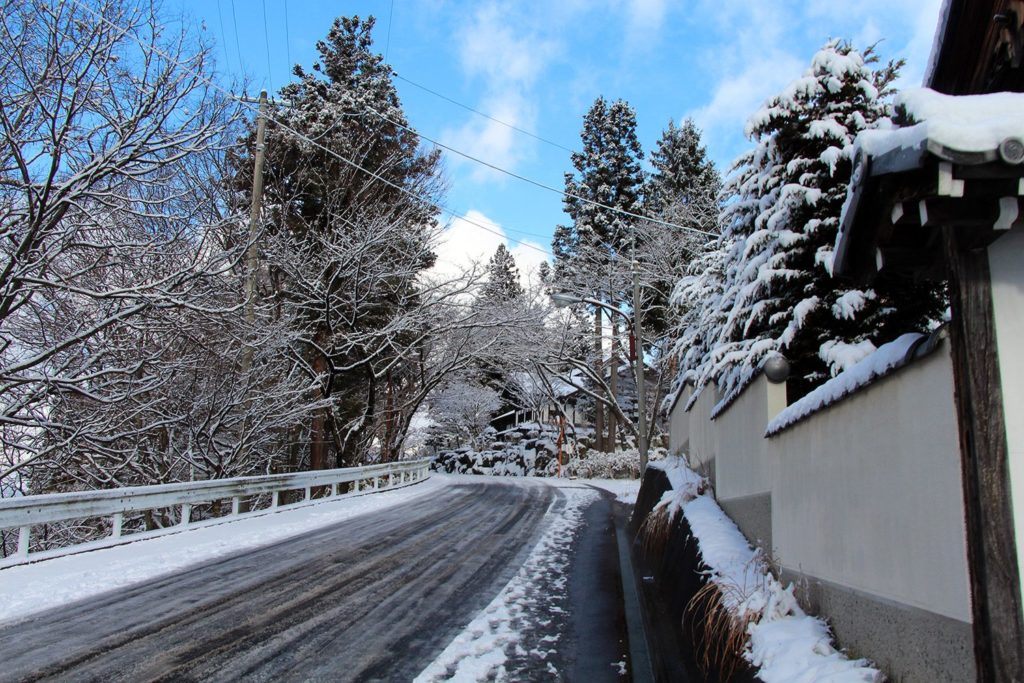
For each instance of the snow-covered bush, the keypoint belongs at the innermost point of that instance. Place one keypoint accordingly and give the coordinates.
(616, 465)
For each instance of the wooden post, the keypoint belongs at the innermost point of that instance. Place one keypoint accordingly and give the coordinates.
(991, 546)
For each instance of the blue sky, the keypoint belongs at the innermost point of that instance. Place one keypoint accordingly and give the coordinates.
(540, 64)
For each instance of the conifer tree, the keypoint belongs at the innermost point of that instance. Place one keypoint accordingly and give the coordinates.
(779, 227)
(502, 283)
(318, 199)
(590, 253)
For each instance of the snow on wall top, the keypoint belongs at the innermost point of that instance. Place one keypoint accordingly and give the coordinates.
(887, 358)
(965, 123)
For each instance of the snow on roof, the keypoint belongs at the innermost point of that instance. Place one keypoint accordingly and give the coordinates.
(882, 362)
(964, 123)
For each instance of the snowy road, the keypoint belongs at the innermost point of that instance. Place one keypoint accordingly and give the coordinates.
(376, 597)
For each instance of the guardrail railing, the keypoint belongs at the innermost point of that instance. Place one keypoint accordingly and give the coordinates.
(25, 512)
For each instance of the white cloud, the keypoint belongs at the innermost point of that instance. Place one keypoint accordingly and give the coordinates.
(464, 245)
(740, 94)
(508, 62)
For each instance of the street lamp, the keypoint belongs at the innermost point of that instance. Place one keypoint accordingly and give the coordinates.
(563, 299)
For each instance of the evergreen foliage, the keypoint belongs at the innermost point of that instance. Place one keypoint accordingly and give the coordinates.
(766, 285)
(315, 204)
(502, 283)
(607, 172)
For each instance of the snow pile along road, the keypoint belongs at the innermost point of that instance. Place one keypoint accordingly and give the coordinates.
(785, 644)
(497, 638)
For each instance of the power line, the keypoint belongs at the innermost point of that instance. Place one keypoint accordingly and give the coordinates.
(480, 113)
(238, 45)
(387, 45)
(302, 136)
(287, 37)
(570, 195)
(224, 37)
(266, 43)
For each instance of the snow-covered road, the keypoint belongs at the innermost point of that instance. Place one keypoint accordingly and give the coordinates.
(377, 593)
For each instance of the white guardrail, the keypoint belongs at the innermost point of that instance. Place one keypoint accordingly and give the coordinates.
(24, 512)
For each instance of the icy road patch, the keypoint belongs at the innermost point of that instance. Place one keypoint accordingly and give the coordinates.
(494, 641)
(26, 589)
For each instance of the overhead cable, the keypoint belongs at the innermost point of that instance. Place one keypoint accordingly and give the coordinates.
(480, 113)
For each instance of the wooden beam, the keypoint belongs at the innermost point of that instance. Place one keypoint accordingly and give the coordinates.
(991, 543)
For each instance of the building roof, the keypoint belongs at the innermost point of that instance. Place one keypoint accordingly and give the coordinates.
(959, 163)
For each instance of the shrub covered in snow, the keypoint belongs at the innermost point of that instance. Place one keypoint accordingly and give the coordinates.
(617, 465)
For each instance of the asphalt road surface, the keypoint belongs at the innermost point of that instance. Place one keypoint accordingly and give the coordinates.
(374, 598)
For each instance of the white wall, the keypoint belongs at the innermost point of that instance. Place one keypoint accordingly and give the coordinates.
(1006, 264)
(743, 465)
(867, 493)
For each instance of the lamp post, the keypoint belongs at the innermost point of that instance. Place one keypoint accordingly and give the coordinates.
(563, 299)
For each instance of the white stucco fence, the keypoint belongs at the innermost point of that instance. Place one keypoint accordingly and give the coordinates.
(863, 496)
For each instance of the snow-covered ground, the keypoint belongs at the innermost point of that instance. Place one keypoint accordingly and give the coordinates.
(625, 490)
(35, 587)
(785, 644)
(481, 651)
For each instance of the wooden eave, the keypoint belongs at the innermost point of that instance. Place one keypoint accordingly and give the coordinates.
(903, 198)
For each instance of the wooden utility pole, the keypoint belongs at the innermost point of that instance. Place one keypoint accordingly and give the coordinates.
(251, 254)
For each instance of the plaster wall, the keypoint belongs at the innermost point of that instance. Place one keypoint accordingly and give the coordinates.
(867, 494)
(1006, 266)
(743, 465)
(679, 424)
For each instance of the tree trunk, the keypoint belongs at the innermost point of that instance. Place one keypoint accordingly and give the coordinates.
(318, 425)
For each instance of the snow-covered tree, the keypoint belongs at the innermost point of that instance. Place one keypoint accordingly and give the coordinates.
(345, 249)
(783, 203)
(592, 253)
(502, 278)
(464, 408)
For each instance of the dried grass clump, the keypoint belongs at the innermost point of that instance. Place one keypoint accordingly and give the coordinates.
(720, 636)
(656, 529)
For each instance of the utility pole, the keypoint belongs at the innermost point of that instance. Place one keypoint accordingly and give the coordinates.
(641, 401)
(251, 254)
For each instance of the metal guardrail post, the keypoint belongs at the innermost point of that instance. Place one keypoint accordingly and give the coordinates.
(23, 536)
(115, 532)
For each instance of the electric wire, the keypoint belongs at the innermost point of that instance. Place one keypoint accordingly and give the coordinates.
(266, 43)
(253, 108)
(224, 37)
(480, 113)
(536, 183)
(387, 44)
(287, 38)
(238, 44)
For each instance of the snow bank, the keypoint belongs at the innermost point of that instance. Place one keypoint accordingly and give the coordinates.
(877, 364)
(785, 644)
